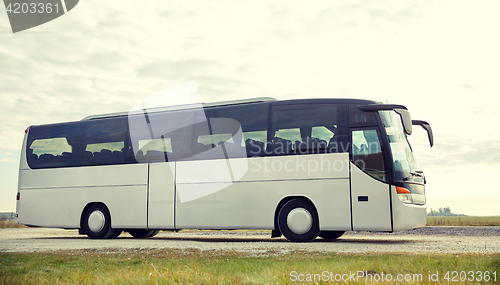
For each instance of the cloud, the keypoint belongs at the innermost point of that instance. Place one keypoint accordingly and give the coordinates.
(372, 15)
(459, 152)
(177, 68)
(106, 55)
(9, 156)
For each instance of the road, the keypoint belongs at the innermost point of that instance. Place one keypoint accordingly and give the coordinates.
(483, 240)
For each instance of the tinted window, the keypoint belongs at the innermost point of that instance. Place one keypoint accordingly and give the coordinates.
(211, 133)
(105, 142)
(98, 142)
(55, 145)
(251, 120)
(361, 118)
(310, 128)
(167, 136)
(367, 153)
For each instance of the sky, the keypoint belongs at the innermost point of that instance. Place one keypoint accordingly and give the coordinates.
(438, 58)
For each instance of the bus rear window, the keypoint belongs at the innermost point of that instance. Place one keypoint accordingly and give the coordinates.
(54, 146)
(78, 144)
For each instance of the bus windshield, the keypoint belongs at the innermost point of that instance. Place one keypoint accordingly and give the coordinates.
(405, 162)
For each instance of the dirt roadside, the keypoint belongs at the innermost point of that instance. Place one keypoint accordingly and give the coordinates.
(484, 240)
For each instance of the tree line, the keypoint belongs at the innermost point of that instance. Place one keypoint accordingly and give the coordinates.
(443, 212)
(6, 216)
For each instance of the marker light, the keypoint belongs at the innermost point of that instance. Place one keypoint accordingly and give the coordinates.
(18, 197)
(401, 190)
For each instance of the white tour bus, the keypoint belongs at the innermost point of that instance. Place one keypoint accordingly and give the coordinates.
(301, 168)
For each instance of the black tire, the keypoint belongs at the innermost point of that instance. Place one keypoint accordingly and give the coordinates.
(155, 232)
(298, 221)
(96, 222)
(331, 234)
(116, 234)
(143, 233)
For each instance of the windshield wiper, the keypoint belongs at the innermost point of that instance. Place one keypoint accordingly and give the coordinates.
(416, 173)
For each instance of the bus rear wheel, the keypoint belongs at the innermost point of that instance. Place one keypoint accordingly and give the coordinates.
(143, 233)
(96, 222)
(298, 221)
(331, 234)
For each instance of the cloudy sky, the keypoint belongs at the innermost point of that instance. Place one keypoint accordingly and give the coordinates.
(438, 58)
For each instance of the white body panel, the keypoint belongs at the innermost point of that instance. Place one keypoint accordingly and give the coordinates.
(374, 214)
(161, 195)
(63, 207)
(407, 216)
(90, 176)
(56, 197)
(143, 195)
(251, 201)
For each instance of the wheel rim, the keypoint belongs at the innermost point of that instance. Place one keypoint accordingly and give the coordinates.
(299, 221)
(96, 221)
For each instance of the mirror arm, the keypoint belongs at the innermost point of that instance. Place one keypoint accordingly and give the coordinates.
(427, 127)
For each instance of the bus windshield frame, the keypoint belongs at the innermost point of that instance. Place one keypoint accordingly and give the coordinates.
(405, 164)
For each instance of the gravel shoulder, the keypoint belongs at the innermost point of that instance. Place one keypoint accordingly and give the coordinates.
(484, 240)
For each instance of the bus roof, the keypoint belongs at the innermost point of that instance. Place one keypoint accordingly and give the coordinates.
(235, 102)
(182, 107)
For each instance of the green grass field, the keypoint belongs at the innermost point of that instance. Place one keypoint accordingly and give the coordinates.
(462, 221)
(192, 266)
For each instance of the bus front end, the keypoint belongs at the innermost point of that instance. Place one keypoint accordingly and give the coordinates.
(408, 190)
(400, 168)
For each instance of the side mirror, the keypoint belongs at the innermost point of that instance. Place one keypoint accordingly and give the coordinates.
(405, 119)
(427, 127)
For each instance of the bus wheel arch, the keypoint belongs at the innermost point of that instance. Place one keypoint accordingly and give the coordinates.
(297, 219)
(95, 222)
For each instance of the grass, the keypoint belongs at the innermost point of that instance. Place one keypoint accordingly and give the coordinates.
(462, 221)
(192, 266)
(10, 224)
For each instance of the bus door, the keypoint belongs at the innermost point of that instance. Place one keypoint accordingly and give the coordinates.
(370, 192)
(161, 195)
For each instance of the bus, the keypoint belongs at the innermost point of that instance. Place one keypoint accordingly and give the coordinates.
(300, 168)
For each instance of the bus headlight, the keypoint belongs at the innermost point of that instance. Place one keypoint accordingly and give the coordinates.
(405, 198)
(404, 195)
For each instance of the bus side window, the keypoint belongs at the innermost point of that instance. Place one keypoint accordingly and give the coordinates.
(307, 129)
(252, 122)
(255, 143)
(104, 153)
(284, 141)
(367, 153)
(105, 142)
(155, 150)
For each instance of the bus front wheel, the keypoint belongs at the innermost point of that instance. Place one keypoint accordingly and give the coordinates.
(298, 221)
(96, 222)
